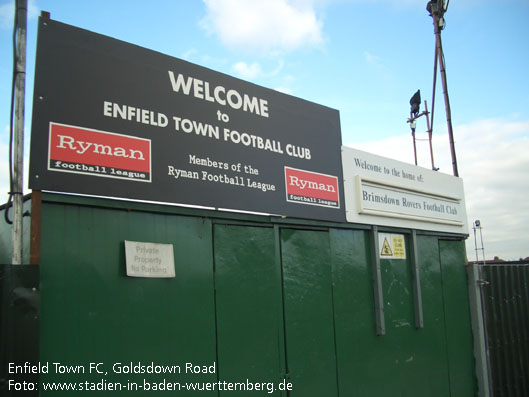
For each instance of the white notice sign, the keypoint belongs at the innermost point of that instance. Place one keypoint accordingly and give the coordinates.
(149, 259)
(386, 192)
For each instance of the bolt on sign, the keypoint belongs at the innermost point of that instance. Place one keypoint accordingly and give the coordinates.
(391, 246)
(114, 119)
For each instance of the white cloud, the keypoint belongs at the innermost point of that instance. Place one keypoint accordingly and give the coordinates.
(396, 3)
(7, 13)
(33, 9)
(254, 70)
(189, 54)
(377, 63)
(284, 90)
(247, 71)
(4, 164)
(372, 59)
(263, 26)
(278, 69)
(493, 162)
(4, 168)
(4, 172)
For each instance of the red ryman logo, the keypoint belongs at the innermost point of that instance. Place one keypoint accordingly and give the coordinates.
(306, 187)
(87, 151)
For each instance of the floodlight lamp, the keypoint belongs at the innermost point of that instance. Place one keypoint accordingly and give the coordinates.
(477, 223)
(415, 103)
(437, 7)
(431, 7)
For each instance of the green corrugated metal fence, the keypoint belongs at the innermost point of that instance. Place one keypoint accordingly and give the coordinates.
(505, 295)
(264, 300)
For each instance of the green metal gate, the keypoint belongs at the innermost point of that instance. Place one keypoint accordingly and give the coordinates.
(248, 306)
(309, 312)
(263, 300)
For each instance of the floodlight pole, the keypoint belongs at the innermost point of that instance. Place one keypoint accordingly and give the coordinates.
(439, 51)
(18, 143)
(476, 227)
(429, 133)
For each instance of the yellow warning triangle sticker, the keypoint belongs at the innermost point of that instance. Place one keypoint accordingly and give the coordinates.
(386, 249)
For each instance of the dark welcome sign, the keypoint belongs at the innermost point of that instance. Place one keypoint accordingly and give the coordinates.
(114, 119)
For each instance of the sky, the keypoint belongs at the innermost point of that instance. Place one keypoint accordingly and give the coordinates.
(364, 58)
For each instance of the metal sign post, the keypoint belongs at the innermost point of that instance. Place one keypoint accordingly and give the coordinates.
(20, 82)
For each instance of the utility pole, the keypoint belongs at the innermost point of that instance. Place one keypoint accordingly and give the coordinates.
(437, 9)
(20, 88)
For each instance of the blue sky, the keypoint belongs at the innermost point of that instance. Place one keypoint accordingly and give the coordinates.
(363, 57)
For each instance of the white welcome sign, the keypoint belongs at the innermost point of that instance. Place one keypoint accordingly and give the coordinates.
(382, 191)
